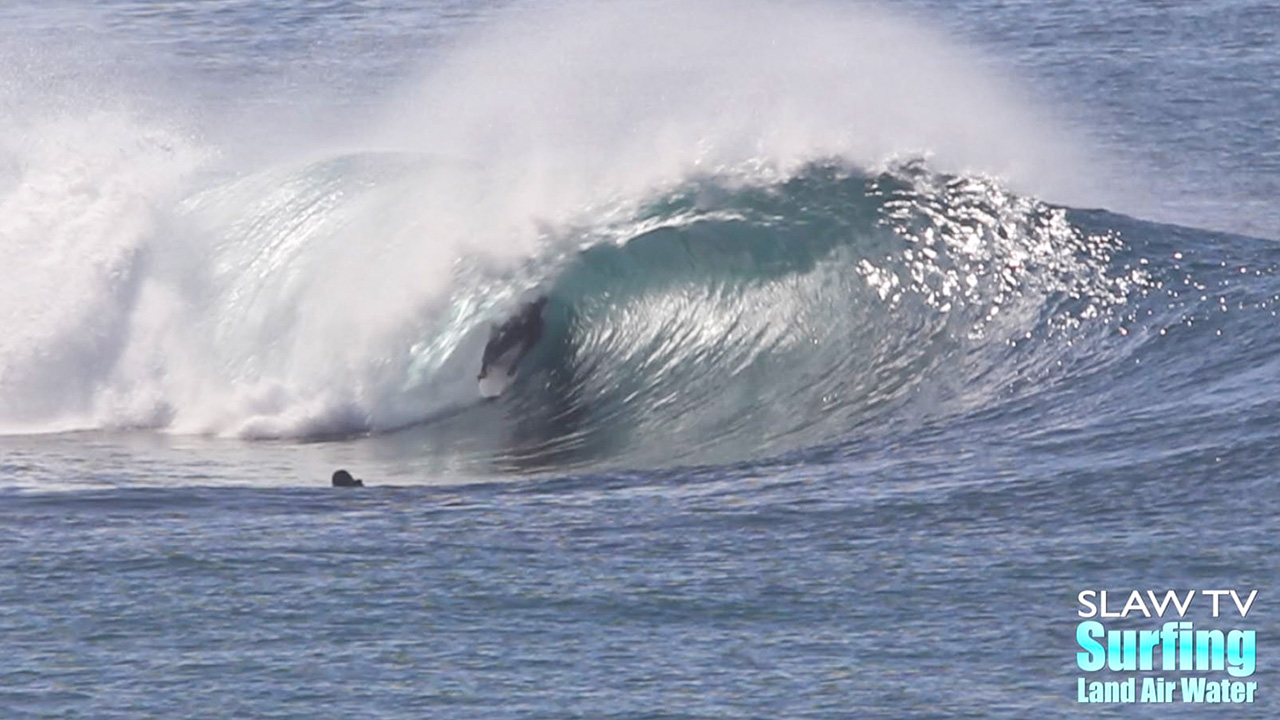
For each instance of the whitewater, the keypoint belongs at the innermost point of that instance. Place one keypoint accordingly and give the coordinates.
(875, 332)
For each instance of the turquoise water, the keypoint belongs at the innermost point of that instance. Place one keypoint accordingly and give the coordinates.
(875, 335)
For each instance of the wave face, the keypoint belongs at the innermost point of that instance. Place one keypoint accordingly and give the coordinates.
(744, 319)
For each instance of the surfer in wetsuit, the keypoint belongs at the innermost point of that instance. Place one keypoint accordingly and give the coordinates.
(518, 334)
(342, 478)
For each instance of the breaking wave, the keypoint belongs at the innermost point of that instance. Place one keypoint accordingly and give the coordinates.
(756, 234)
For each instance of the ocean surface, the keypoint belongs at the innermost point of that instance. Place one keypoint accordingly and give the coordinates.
(876, 334)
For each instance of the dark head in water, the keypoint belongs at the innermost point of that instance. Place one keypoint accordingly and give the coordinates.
(513, 339)
(342, 478)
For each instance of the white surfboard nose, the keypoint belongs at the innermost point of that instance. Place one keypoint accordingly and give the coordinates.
(499, 376)
(495, 383)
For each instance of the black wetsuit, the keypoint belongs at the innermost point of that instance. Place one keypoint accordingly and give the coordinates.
(342, 478)
(523, 330)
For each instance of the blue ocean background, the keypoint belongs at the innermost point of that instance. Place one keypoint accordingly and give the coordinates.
(876, 333)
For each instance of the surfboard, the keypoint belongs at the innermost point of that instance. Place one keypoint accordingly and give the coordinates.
(495, 383)
(499, 377)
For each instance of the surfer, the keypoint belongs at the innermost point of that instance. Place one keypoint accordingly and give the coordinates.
(513, 339)
(342, 478)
